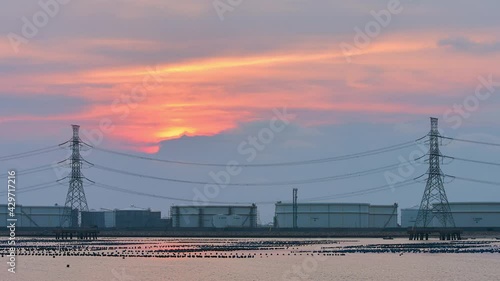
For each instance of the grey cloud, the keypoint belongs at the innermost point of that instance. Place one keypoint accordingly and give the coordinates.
(464, 44)
(40, 104)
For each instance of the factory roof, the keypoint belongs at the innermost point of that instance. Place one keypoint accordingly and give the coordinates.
(213, 206)
(323, 203)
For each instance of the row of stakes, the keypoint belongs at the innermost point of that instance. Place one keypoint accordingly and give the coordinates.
(171, 255)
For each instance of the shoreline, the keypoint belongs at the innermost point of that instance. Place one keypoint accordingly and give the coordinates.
(258, 233)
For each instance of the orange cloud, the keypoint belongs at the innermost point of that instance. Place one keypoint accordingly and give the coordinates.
(213, 94)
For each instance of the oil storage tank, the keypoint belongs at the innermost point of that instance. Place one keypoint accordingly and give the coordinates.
(214, 216)
(41, 216)
(109, 219)
(93, 219)
(383, 216)
(335, 215)
(476, 214)
(228, 221)
(465, 215)
(408, 217)
(137, 219)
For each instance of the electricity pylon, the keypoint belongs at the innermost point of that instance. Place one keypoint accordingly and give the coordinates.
(76, 200)
(434, 201)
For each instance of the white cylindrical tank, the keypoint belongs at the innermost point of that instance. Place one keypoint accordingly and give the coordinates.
(109, 219)
(220, 221)
(465, 214)
(235, 221)
(324, 215)
(476, 214)
(209, 216)
(223, 221)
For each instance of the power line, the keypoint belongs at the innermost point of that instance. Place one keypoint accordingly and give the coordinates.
(33, 187)
(319, 198)
(45, 168)
(459, 159)
(296, 182)
(475, 180)
(123, 190)
(472, 141)
(292, 163)
(34, 170)
(29, 153)
(335, 196)
(473, 161)
(37, 188)
(363, 191)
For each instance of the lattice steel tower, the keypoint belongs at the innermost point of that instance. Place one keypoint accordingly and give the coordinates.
(434, 201)
(75, 199)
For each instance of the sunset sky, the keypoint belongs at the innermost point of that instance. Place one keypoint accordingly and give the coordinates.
(158, 70)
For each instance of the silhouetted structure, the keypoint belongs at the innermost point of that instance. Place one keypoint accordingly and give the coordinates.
(434, 202)
(75, 199)
(434, 191)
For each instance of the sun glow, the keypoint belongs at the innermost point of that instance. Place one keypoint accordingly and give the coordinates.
(174, 132)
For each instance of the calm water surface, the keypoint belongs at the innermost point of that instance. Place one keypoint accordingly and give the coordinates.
(259, 259)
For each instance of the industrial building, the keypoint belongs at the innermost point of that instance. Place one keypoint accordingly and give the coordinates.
(336, 215)
(39, 216)
(124, 219)
(137, 219)
(214, 216)
(93, 219)
(383, 216)
(408, 217)
(53, 217)
(465, 214)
